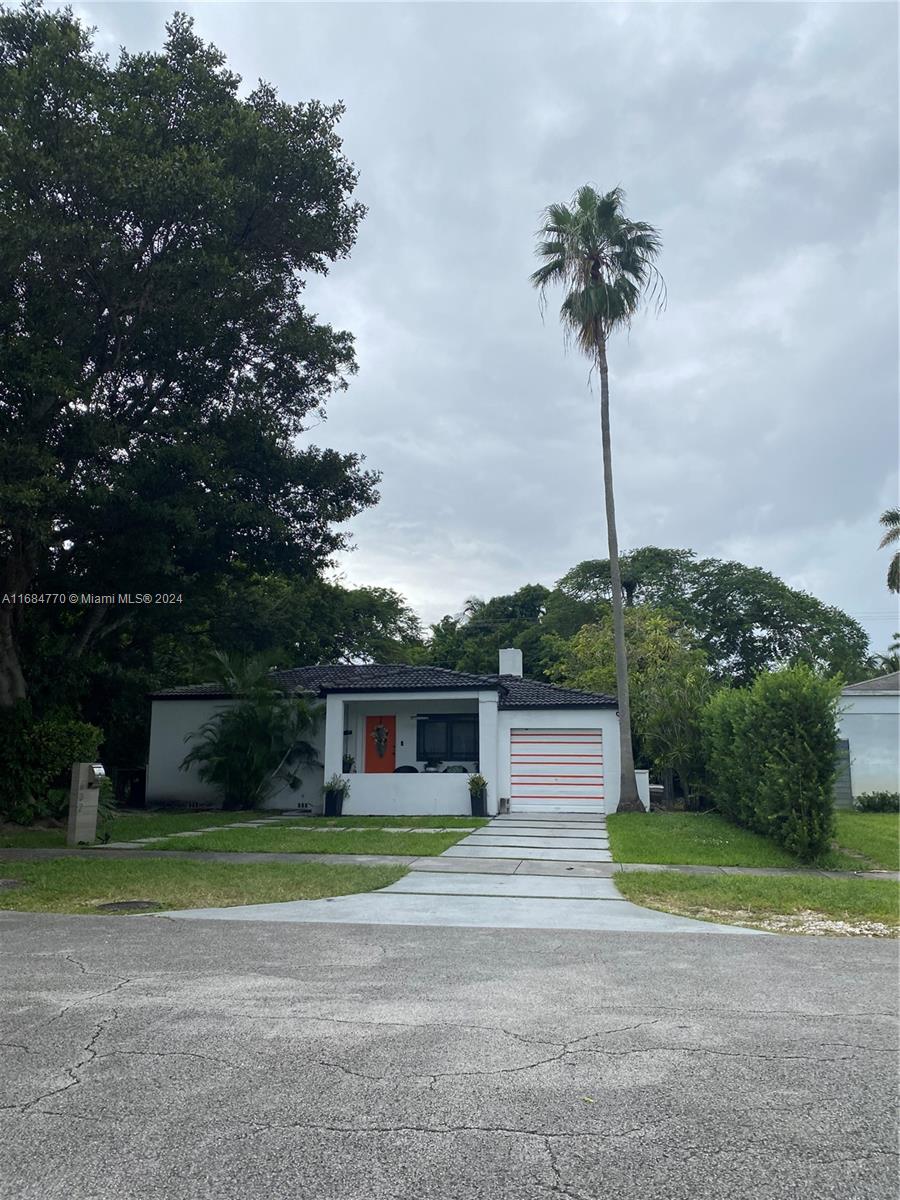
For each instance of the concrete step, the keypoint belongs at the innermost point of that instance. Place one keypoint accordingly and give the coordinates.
(559, 887)
(461, 851)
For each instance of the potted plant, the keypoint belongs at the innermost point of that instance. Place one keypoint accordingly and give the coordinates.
(478, 795)
(336, 790)
(433, 764)
(348, 763)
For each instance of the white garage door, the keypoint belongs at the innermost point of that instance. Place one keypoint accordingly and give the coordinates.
(557, 770)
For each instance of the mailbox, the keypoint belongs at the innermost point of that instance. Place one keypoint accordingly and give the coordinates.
(84, 794)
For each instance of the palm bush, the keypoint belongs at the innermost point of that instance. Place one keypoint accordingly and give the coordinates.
(258, 743)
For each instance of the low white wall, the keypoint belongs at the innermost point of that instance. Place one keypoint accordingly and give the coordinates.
(605, 719)
(171, 721)
(871, 724)
(643, 787)
(426, 794)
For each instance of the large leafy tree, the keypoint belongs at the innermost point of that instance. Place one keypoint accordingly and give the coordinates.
(745, 619)
(286, 621)
(470, 640)
(157, 365)
(890, 519)
(670, 678)
(606, 265)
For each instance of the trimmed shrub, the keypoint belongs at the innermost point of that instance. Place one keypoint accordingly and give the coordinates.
(793, 717)
(770, 752)
(724, 723)
(36, 758)
(878, 802)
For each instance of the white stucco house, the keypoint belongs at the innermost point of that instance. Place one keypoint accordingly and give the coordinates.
(414, 735)
(869, 721)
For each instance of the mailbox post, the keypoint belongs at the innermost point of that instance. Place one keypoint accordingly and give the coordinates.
(84, 795)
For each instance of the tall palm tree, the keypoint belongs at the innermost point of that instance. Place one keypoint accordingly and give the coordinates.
(891, 521)
(606, 264)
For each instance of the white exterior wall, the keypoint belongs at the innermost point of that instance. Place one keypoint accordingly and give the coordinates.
(871, 724)
(171, 721)
(605, 719)
(424, 792)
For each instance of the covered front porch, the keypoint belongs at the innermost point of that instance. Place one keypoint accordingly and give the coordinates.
(411, 753)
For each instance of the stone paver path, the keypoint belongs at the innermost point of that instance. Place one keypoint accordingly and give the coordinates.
(538, 880)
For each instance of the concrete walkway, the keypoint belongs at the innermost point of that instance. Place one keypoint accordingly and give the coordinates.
(560, 890)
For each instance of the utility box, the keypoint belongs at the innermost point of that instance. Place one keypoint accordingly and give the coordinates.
(84, 796)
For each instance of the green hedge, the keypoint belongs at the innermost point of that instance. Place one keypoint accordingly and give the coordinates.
(880, 802)
(770, 755)
(35, 754)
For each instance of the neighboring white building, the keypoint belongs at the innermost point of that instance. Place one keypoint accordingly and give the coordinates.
(540, 746)
(869, 720)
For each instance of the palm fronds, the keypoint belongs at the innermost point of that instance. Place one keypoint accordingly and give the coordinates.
(890, 518)
(605, 263)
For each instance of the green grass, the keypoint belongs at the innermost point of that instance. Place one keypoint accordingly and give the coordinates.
(281, 840)
(32, 839)
(77, 885)
(754, 899)
(703, 839)
(876, 835)
(127, 827)
(391, 822)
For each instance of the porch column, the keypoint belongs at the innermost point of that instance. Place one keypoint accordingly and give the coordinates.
(487, 746)
(334, 735)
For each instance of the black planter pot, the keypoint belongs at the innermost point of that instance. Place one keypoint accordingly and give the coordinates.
(479, 804)
(334, 803)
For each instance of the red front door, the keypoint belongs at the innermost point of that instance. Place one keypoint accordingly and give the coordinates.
(381, 744)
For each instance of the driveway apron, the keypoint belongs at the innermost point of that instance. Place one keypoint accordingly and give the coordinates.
(522, 871)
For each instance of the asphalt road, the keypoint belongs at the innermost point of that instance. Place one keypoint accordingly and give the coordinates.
(186, 1060)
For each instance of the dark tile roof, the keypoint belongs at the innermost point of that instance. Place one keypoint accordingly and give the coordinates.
(515, 692)
(882, 683)
(530, 693)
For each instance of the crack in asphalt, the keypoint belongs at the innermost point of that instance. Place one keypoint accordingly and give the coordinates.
(83, 1000)
(571, 1049)
(88, 1055)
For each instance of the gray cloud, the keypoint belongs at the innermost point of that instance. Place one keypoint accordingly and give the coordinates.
(755, 418)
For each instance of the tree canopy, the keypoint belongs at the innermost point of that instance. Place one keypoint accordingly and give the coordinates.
(158, 369)
(745, 619)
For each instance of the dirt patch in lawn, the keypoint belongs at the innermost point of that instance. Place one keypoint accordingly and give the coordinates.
(806, 922)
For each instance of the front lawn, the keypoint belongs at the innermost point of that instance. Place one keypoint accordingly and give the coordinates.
(78, 885)
(25, 838)
(704, 839)
(128, 827)
(876, 835)
(390, 822)
(784, 903)
(291, 839)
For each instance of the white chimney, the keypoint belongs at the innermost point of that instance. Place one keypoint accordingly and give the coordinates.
(511, 662)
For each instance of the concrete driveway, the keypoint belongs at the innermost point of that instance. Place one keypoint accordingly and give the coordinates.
(186, 1060)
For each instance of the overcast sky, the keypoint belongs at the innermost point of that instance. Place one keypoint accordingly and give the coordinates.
(755, 419)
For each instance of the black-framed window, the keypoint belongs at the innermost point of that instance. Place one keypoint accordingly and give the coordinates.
(450, 737)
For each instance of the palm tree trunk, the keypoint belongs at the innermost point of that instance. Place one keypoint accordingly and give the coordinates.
(629, 801)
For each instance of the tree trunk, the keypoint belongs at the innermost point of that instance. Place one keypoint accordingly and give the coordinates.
(12, 681)
(629, 801)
